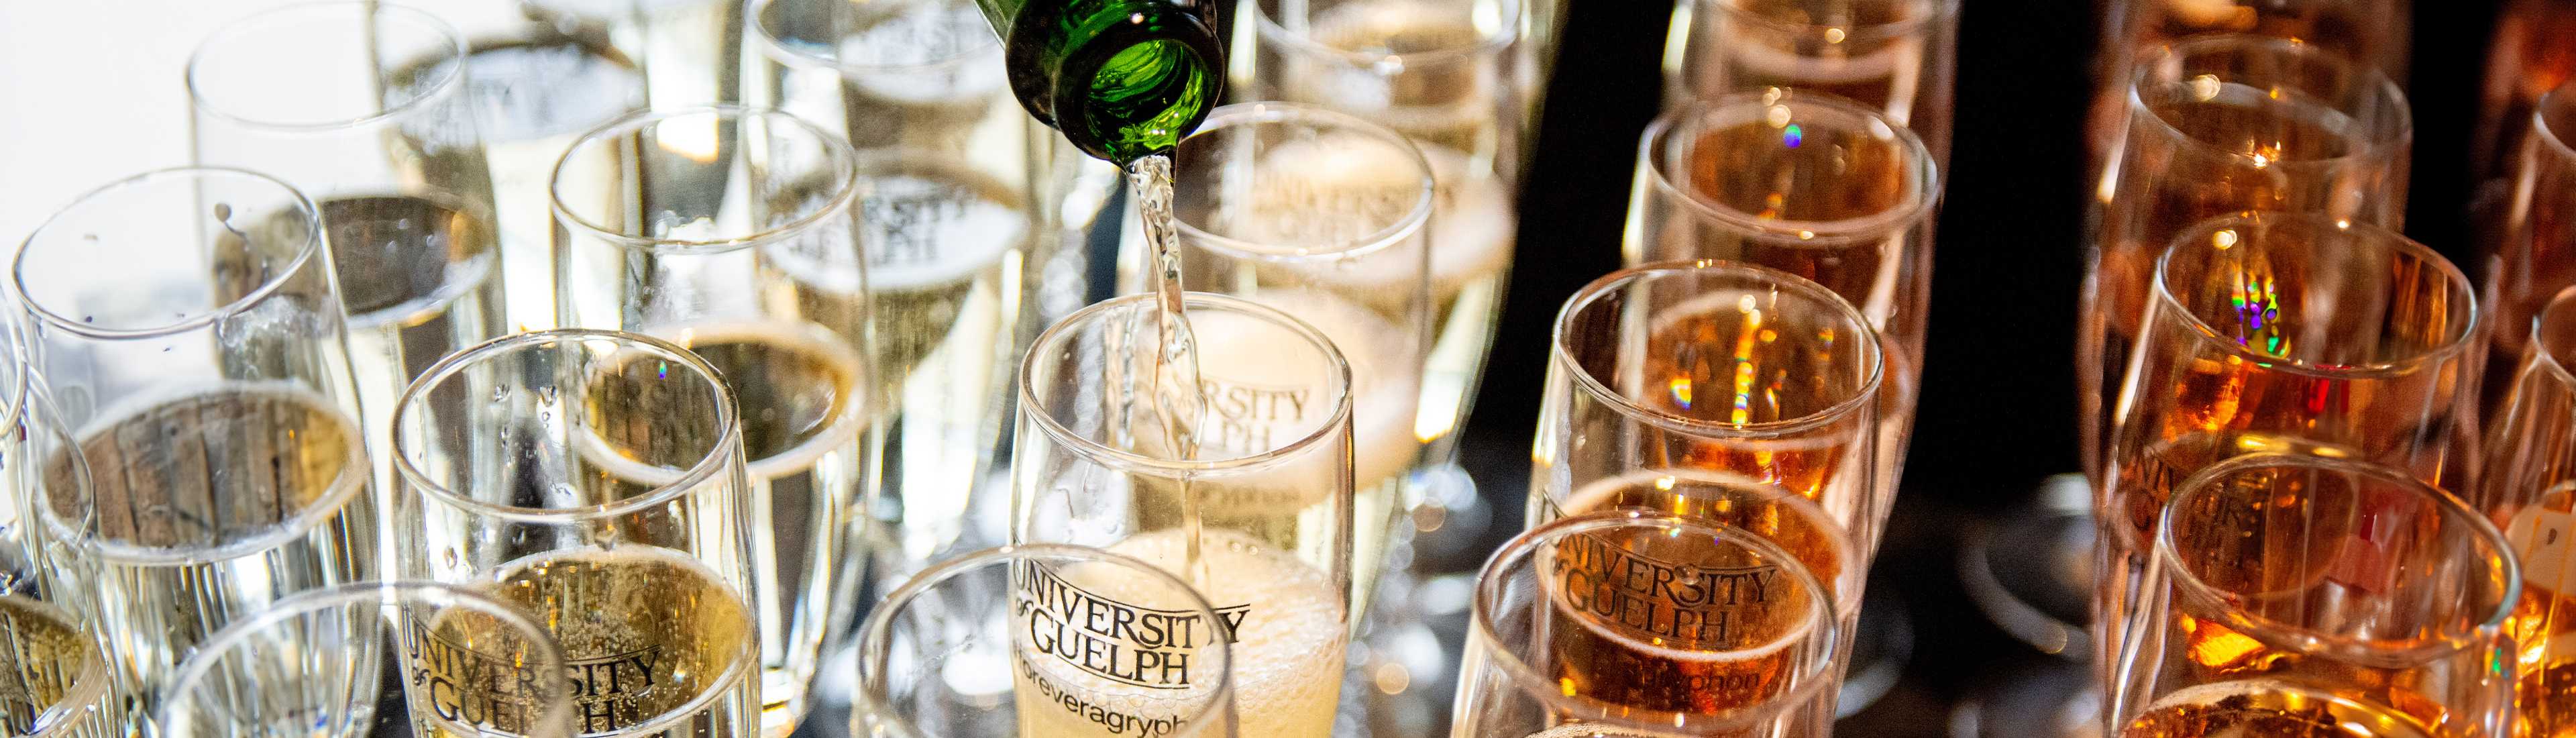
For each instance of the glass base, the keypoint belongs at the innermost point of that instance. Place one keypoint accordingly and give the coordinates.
(2032, 573)
(1404, 668)
(1451, 522)
(2047, 699)
(1880, 649)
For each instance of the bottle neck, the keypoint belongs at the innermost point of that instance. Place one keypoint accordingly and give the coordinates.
(1120, 78)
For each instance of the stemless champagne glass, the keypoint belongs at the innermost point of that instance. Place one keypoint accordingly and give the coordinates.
(319, 663)
(536, 79)
(1259, 520)
(746, 257)
(2527, 486)
(1447, 74)
(186, 323)
(2284, 333)
(56, 682)
(1897, 57)
(1749, 375)
(1809, 184)
(1045, 640)
(1630, 624)
(2217, 126)
(2303, 595)
(972, 224)
(596, 480)
(363, 107)
(2531, 253)
(1324, 217)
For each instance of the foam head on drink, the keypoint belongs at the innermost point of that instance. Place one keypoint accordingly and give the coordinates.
(1105, 651)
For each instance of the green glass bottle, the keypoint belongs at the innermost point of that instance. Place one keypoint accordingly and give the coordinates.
(1121, 78)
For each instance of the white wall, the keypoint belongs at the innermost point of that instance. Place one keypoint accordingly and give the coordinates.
(91, 91)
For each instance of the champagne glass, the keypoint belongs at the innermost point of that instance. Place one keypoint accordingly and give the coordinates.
(1045, 640)
(972, 227)
(363, 107)
(459, 663)
(1259, 519)
(1813, 185)
(745, 256)
(1750, 375)
(1324, 217)
(1441, 72)
(1725, 633)
(536, 80)
(596, 480)
(689, 52)
(1896, 57)
(2222, 125)
(187, 326)
(2304, 594)
(56, 682)
(2527, 486)
(1456, 78)
(2370, 33)
(2284, 333)
(2533, 242)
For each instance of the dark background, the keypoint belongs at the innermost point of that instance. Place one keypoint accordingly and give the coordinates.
(1997, 413)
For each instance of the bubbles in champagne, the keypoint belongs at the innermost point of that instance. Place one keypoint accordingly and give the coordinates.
(2269, 708)
(1102, 652)
(922, 55)
(1683, 623)
(1332, 189)
(1262, 398)
(402, 260)
(212, 473)
(649, 634)
(1582, 730)
(1287, 653)
(1800, 527)
(1443, 85)
(796, 385)
(44, 657)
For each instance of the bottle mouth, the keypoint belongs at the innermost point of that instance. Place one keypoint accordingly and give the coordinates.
(1141, 85)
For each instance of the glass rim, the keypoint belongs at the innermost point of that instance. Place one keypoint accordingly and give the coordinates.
(452, 79)
(1824, 626)
(725, 451)
(2448, 507)
(876, 636)
(1306, 45)
(305, 256)
(1847, 587)
(201, 661)
(835, 148)
(1942, 12)
(1923, 188)
(2165, 300)
(16, 389)
(1339, 373)
(89, 688)
(2379, 87)
(1864, 396)
(777, 50)
(2561, 307)
(354, 478)
(2549, 135)
(1414, 222)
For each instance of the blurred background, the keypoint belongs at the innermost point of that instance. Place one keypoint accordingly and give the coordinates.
(92, 92)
